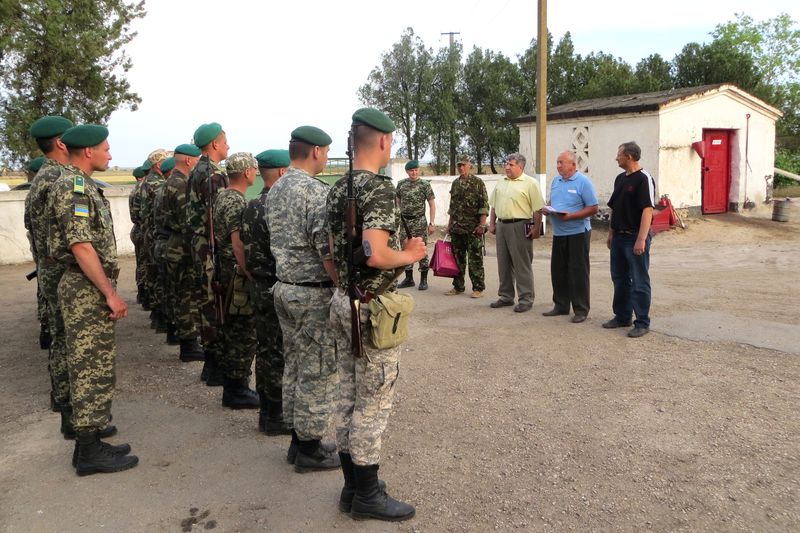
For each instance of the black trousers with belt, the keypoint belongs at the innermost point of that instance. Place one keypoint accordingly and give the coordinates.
(569, 272)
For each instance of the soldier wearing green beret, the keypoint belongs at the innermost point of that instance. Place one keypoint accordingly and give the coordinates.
(181, 281)
(134, 209)
(238, 337)
(81, 238)
(272, 165)
(47, 132)
(367, 382)
(205, 180)
(412, 195)
(304, 267)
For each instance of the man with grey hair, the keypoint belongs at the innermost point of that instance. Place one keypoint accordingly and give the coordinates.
(515, 202)
(629, 236)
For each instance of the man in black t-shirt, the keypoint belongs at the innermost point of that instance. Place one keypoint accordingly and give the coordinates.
(629, 241)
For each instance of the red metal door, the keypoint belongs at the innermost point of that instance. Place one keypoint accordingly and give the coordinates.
(716, 171)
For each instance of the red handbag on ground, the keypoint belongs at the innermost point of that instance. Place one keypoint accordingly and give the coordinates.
(443, 263)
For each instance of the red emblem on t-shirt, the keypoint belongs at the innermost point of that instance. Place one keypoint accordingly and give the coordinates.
(630, 188)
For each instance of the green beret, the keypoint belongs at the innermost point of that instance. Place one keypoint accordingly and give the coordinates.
(35, 164)
(188, 149)
(311, 135)
(167, 164)
(138, 172)
(411, 165)
(239, 162)
(373, 118)
(206, 133)
(51, 126)
(147, 165)
(273, 159)
(84, 136)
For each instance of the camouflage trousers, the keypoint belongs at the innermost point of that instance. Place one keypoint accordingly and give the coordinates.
(237, 335)
(153, 279)
(136, 239)
(367, 387)
(419, 228)
(269, 352)
(42, 314)
(179, 289)
(468, 250)
(203, 292)
(91, 350)
(49, 275)
(310, 377)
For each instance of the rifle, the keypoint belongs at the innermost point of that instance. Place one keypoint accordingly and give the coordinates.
(354, 293)
(30, 275)
(216, 283)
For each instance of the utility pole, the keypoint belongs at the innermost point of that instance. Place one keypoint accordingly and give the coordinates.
(452, 35)
(541, 91)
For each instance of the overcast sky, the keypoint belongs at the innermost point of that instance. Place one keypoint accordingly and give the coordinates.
(263, 68)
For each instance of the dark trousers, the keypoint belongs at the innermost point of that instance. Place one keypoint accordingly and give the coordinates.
(569, 272)
(631, 278)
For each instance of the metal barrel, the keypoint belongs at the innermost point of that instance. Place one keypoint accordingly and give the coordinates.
(780, 210)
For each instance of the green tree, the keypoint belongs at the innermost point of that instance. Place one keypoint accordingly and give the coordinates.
(716, 62)
(400, 86)
(653, 73)
(443, 119)
(62, 58)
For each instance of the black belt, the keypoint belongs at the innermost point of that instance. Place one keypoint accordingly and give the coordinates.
(513, 220)
(625, 231)
(318, 284)
(111, 273)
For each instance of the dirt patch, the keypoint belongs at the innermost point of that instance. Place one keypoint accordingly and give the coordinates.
(502, 421)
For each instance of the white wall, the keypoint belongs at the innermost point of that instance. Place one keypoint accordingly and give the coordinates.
(14, 247)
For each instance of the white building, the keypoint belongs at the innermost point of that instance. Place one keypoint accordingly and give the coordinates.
(709, 148)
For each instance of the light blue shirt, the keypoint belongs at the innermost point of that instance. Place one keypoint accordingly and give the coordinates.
(571, 195)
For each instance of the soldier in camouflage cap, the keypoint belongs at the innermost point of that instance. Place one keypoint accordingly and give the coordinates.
(412, 195)
(304, 267)
(272, 164)
(469, 207)
(81, 237)
(367, 382)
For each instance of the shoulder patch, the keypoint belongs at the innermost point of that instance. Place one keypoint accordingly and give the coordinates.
(78, 186)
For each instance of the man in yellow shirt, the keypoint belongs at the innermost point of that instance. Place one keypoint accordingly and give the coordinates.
(515, 201)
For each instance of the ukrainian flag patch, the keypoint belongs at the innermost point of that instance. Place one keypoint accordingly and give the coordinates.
(81, 210)
(78, 186)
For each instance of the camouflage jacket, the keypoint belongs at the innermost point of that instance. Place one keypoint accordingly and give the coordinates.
(36, 205)
(134, 202)
(78, 212)
(412, 197)
(173, 218)
(147, 193)
(255, 236)
(228, 208)
(468, 201)
(205, 180)
(296, 221)
(376, 210)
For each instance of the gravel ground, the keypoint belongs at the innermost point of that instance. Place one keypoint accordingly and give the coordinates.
(502, 421)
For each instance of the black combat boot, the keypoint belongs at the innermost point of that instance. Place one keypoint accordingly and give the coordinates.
(191, 351)
(270, 419)
(120, 449)
(291, 454)
(423, 280)
(371, 501)
(69, 432)
(408, 282)
(211, 373)
(153, 319)
(313, 457)
(161, 322)
(95, 456)
(349, 489)
(44, 337)
(172, 336)
(236, 394)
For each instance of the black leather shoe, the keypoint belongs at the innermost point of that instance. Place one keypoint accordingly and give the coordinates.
(577, 319)
(500, 303)
(408, 282)
(318, 460)
(349, 489)
(191, 351)
(637, 332)
(614, 323)
(555, 312)
(423, 281)
(119, 449)
(236, 394)
(522, 308)
(371, 501)
(95, 457)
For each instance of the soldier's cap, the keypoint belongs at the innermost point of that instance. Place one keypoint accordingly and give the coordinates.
(206, 133)
(167, 164)
(35, 164)
(273, 159)
(50, 126)
(464, 161)
(138, 172)
(188, 149)
(147, 165)
(84, 136)
(411, 165)
(369, 116)
(157, 156)
(311, 135)
(239, 162)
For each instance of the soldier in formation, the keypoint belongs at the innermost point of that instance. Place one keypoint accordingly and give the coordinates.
(412, 195)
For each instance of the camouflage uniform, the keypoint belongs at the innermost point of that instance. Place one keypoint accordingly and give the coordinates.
(134, 206)
(160, 236)
(367, 383)
(42, 314)
(261, 265)
(79, 213)
(181, 281)
(238, 337)
(468, 201)
(49, 274)
(299, 242)
(147, 194)
(413, 197)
